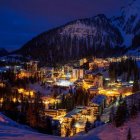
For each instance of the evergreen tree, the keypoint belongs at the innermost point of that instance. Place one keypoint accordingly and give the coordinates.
(120, 99)
(121, 114)
(129, 135)
(112, 115)
(31, 117)
(63, 102)
(133, 111)
(49, 126)
(72, 122)
(67, 132)
(135, 86)
(87, 126)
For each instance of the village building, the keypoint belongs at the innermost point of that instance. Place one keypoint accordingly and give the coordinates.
(98, 103)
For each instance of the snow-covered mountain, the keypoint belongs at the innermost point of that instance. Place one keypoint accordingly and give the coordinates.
(79, 38)
(131, 14)
(129, 23)
(96, 36)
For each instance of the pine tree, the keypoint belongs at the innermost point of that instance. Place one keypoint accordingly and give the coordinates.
(67, 132)
(129, 135)
(133, 111)
(63, 101)
(87, 126)
(135, 86)
(72, 122)
(31, 117)
(48, 125)
(121, 114)
(112, 115)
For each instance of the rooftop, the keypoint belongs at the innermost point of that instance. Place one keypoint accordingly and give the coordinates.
(98, 99)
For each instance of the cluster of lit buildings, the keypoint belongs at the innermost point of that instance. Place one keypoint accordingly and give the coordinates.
(72, 76)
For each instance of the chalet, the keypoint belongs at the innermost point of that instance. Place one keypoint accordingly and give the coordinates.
(93, 91)
(77, 73)
(99, 103)
(55, 113)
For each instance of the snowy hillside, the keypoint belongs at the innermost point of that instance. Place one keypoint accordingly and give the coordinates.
(129, 23)
(7, 121)
(106, 132)
(13, 131)
(93, 29)
(109, 132)
(77, 39)
(96, 36)
(131, 14)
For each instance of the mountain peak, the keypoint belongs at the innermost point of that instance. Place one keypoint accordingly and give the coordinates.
(74, 40)
(132, 9)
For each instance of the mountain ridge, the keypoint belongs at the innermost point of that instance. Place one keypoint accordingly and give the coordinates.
(76, 39)
(95, 36)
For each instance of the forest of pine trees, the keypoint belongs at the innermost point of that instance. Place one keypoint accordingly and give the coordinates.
(30, 110)
(70, 101)
(128, 69)
(124, 112)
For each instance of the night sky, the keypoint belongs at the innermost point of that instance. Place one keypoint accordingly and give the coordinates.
(21, 20)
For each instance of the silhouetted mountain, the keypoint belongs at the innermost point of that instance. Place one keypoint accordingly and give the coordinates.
(96, 36)
(84, 37)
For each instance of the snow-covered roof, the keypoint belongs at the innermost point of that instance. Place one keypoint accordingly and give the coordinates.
(98, 99)
(93, 88)
(74, 111)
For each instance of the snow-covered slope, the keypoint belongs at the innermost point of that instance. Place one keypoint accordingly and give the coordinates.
(10, 130)
(13, 133)
(131, 14)
(97, 36)
(96, 30)
(129, 22)
(79, 38)
(106, 132)
(109, 132)
(7, 121)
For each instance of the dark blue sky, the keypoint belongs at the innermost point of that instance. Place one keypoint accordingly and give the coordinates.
(21, 20)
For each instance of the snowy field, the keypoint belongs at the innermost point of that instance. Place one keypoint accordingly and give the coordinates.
(10, 130)
(109, 132)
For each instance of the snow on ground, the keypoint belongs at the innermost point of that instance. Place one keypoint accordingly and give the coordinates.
(13, 133)
(11, 130)
(134, 52)
(45, 90)
(7, 121)
(109, 132)
(106, 132)
(37, 87)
